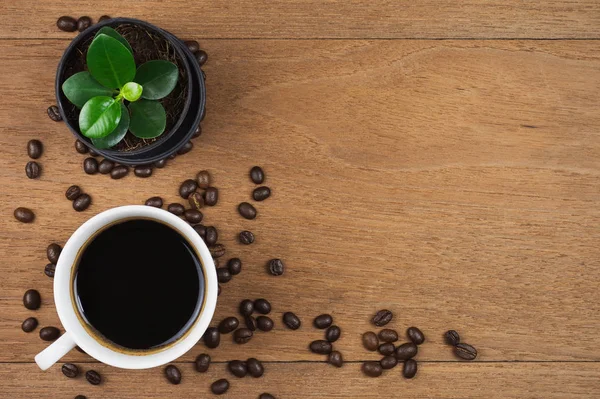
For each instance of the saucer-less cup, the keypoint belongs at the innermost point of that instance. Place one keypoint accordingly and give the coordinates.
(78, 333)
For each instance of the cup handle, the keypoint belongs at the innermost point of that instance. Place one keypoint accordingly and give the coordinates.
(52, 354)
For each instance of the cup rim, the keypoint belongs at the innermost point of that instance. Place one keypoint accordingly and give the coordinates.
(72, 323)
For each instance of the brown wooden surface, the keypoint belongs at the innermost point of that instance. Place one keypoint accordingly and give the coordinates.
(454, 182)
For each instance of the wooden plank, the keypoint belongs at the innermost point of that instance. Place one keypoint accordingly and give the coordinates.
(318, 19)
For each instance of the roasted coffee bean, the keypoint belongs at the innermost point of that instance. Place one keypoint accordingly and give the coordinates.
(198, 131)
(119, 172)
(291, 321)
(24, 215)
(202, 363)
(242, 335)
(212, 337)
(262, 306)
(246, 237)
(261, 193)
(90, 166)
(238, 368)
(409, 370)
(247, 211)
(82, 202)
(156, 202)
(264, 323)
(49, 333)
(106, 166)
(333, 333)
(203, 179)
(193, 216)
(323, 321)
(219, 387)
(415, 335)
(53, 252)
(187, 147)
(386, 349)
(176, 209)
(173, 374)
(372, 369)
(211, 196)
(29, 324)
(70, 370)
(192, 45)
(321, 347)
(33, 170)
(103, 18)
(50, 269)
(196, 200)
(255, 367)
(452, 337)
(382, 317)
(406, 351)
(217, 250)
(54, 113)
(67, 24)
(370, 341)
(388, 362)
(223, 275)
(246, 307)
(93, 377)
(35, 148)
(465, 351)
(388, 335)
(80, 147)
(187, 187)
(266, 396)
(335, 358)
(235, 266)
(83, 23)
(201, 230)
(228, 325)
(250, 323)
(201, 57)
(211, 236)
(32, 299)
(276, 267)
(73, 192)
(160, 163)
(257, 175)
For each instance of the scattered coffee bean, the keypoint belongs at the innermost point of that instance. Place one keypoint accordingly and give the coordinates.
(119, 172)
(276, 267)
(370, 341)
(49, 333)
(104, 18)
(235, 266)
(80, 147)
(35, 148)
(242, 335)
(73, 192)
(54, 113)
(266, 396)
(452, 338)
(32, 299)
(246, 307)
(24, 215)
(333, 333)
(53, 252)
(82, 202)
(247, 211)
(415, 335)
(106, 166)
(201, 230)
(211, 236)
(67, 24)
(176, 209)
(198, 130)
(192, 45)
(386, 349)
(29, 324)
(465, 351)
(219, 387)
(388, 335)
(382, 317)
(291, 321)
(196, 200)
(50, 269)
(90, 166)
(160, 163)
(246, 237)
(83, 23)
(173, 374)
(255, 367)
(187, 147)
(70, 370)
(262, 306)
(323, 321)
(250, 323)
(335, 358)
(406, 351)
(238, 368)
(187, 187)
(388, 362)
(223, 275)
(264, 323)
(201, 57)
(212, 337)
(211, 196)
(372, 369)
(228, 325)
(261, 193)
(93, 377)
(203, 179)
(217, 250)
(156, 202)
(257, 175)
(202, 363)
(193, 216)
(409, 370)
(33, 170)
(321, 347)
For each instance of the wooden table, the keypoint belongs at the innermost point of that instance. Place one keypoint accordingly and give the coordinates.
(437, 158)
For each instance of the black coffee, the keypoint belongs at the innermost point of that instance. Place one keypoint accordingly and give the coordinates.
(139, 284)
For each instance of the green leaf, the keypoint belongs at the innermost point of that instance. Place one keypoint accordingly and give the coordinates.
(80, 87)
(116, 135)
(131, 91)
(148, 119)
(158, 78)
(109, 62)
(107, 30)
(99, 116)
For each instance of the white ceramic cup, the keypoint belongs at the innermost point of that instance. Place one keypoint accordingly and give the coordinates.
(77, 332)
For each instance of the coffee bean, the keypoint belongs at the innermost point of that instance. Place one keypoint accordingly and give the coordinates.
(250, 323)
(388, 362)
(246, 237)
(261, 193)
(70, 370)
(73, 192)
(465, 351)
(198, 131)
(409, 370)
(323, 321)
(173, 374)
(50, 269)
(388, 335)
(276, 267)
(262, 306)
(119, 172)
(29, 324)
(187, 187)
(335, 358)
(219, 387)
(217, 250)
(212, 337)
(415, 335)
(106, 166)
(247, 211)
(235, 266)
(223, 275)
(257, 175)
(211, 196)
(90, 166)
(160, 163)
(54, 113)
(67, 24)
(24, 215)
(32, 299)
(321, 347)
(196, 200)
(156, 202)
(176, 209)
(82, 202)
(201, 230)
(201, 57)
(203, 179)
(104, 18)
(266, 396)
(333, 333)
(255, 367)
(246, 307)
(53, 252)
(372, 369)
(35, 148)
(242, 335)
(187, 147)
(80, 147)
(382, 317)
(291, 321)
(264, 323)
(143, 171)
(49, 333)
(406, 351)
(228, 325)
(387, 348)
(80, 397)
(193, 216)
(33, 170)
(93, 377)
(202, 363)
(452, 338)
(238, 368)
(212, 236)
(93, 153)
(192, 45)
(83, 23)
(370, 341)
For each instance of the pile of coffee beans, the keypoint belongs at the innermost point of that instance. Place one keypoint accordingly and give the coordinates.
(32, 300)
(81, 200)
(325, 347)
(461, 350)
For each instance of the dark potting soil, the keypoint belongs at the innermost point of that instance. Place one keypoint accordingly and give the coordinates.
(147, 46)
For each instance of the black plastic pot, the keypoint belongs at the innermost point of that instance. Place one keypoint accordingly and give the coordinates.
(171, 141)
